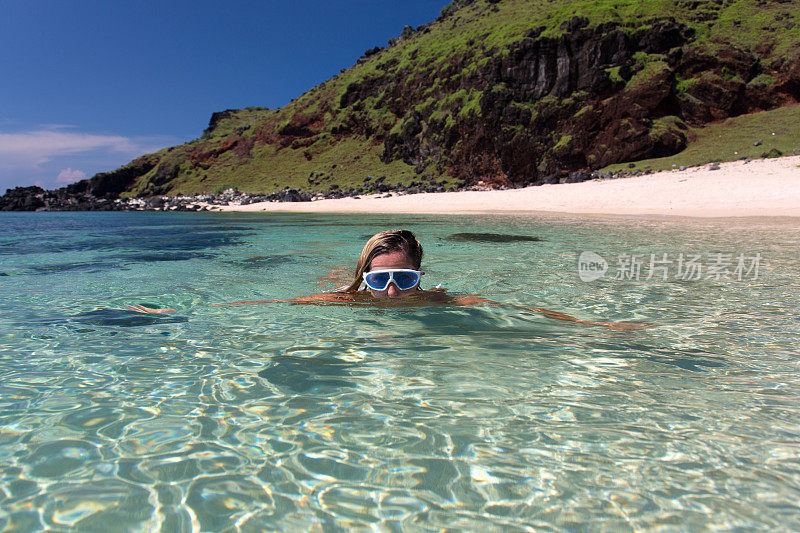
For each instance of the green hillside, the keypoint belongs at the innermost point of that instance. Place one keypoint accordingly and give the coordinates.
(502, 91)
(756, 135)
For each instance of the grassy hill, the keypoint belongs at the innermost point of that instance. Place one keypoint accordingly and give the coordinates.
(753, 136)
(506, 92)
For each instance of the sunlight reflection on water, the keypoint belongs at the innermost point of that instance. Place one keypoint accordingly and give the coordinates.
(295, 417)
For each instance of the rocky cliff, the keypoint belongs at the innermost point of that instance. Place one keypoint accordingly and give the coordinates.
(503, 92)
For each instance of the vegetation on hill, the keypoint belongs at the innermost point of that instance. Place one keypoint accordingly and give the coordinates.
(753, 136)
(501, 91)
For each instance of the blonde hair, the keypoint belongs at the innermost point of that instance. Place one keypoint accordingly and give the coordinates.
(384, 242)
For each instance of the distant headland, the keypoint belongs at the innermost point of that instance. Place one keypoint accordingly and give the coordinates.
(497, 94)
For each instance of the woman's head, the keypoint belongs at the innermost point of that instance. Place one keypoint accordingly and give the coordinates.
(391, 249)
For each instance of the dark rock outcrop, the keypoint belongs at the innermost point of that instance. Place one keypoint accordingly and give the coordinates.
(552, 105)
(22, 199)
(115, 182)
(38, 199)
(97, 193)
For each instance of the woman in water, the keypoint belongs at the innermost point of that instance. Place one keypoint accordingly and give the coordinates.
(388, 273)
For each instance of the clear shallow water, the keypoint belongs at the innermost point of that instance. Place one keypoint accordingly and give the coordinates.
(298, 417)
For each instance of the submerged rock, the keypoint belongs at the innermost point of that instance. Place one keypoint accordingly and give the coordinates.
(123, 318)
(491, 237)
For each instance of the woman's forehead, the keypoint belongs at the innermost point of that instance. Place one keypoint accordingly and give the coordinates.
(397, 258)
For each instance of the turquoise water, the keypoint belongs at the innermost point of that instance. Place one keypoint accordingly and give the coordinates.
(323, 418)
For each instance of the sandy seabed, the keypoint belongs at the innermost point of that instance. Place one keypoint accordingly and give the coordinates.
(762, 187)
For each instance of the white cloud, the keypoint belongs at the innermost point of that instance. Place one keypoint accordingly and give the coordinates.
(68, 175)
(43, 153)
(57, 126)
(39, 147)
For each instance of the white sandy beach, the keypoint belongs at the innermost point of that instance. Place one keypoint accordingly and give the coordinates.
(762, 187)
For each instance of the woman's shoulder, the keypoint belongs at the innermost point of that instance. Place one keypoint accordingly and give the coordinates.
(336, 296)
(436, 294)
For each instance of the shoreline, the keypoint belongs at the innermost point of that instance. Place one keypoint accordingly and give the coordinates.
(758, 188)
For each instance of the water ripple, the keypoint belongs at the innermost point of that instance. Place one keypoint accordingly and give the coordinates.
(288, 417)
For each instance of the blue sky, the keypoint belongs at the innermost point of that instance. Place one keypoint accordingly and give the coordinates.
(88, 85)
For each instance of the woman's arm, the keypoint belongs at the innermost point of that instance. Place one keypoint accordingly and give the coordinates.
(149, 310)
(619, 326)
(313, 298)
(466, 300)
(472, 299)
(250, 302)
